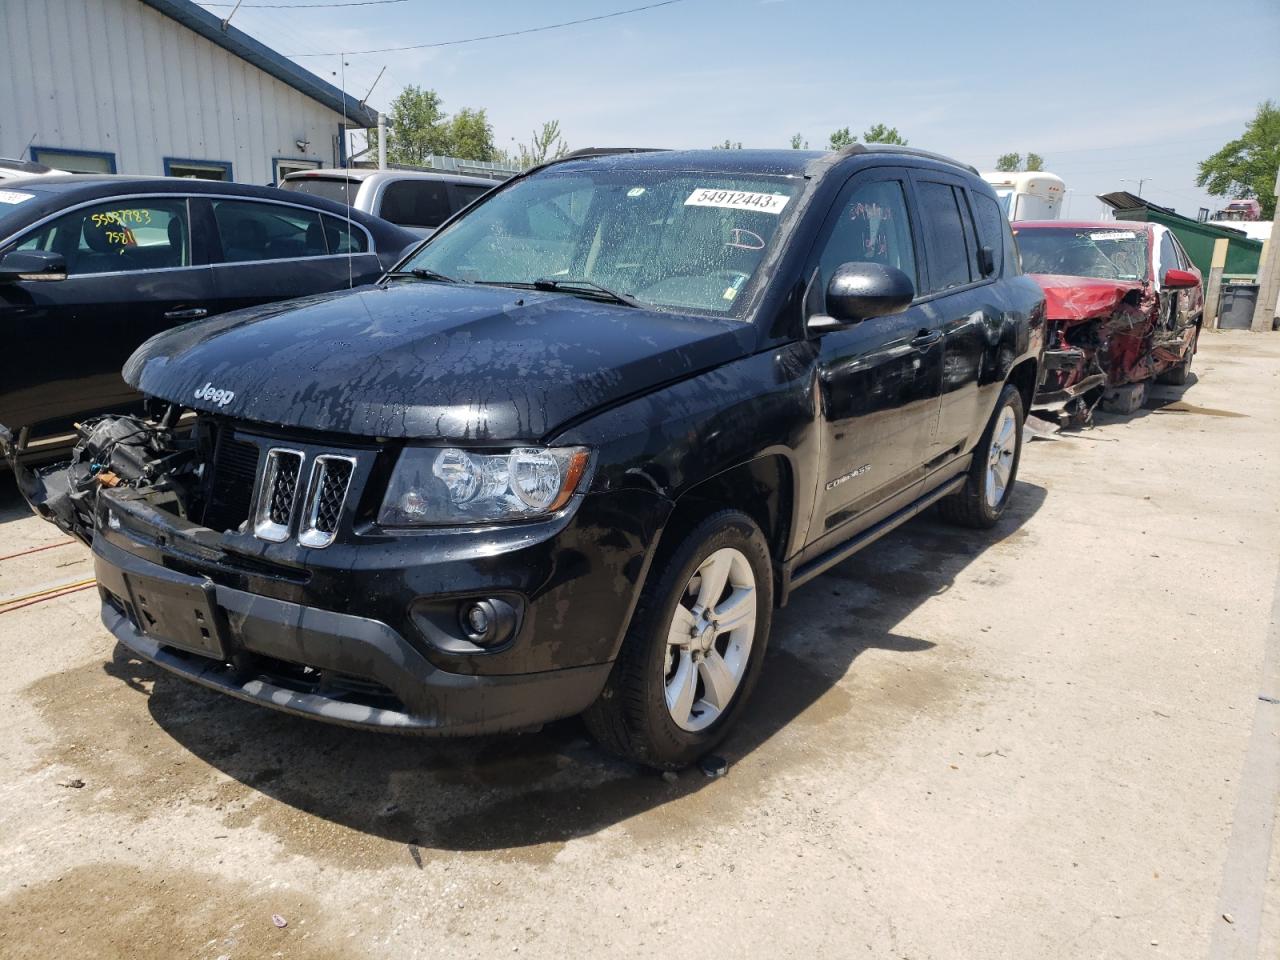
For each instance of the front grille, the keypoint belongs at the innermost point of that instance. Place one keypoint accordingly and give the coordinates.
(234, 469)
(326, 493)
(284, 488)
(276, 494)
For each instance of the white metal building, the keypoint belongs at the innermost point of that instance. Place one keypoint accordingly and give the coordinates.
(159, 87)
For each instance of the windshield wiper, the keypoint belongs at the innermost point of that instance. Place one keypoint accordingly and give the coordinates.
(422, 273)
(584, 287)
(589, 287)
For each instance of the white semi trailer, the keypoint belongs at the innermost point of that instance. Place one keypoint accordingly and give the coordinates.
(1028, 196)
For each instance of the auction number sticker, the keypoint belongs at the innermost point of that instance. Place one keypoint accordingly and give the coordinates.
(1113, 235)
(738, 200)
(14, 196)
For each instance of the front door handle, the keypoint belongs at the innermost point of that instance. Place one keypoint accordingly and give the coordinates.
(926, 339)
(190, 313)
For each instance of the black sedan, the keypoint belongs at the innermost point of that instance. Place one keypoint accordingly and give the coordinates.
(91, 266)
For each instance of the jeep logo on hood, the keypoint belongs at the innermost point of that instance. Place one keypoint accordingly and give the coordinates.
(215, 396)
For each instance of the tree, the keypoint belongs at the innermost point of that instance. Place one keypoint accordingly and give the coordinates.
(841, 138)
(1035, 162)
(1246, 167)
(798, 142)
(545, 144)
(728, 145)
(1009, 162)
(417, 128)
(879, 133)
(470, 135)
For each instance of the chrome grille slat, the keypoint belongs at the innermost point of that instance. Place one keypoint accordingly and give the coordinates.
(277, 494)
(326, 493)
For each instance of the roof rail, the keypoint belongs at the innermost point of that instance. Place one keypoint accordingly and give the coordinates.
(857, 149)
(585, 152)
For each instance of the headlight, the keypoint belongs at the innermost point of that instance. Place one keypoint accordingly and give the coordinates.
(434, 486)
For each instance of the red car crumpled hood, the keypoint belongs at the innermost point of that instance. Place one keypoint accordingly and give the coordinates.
(1082, 298)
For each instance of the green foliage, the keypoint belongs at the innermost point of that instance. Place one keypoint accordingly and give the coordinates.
(1009, 162)
(879, 133)
(728, 145)
(417, 128)
(471, 135)
(841, 138)
(798, 142)
(1246, 167)
(544, 144)
(1035, 162)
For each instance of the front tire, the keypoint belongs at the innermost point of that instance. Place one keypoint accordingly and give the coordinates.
(1178, 376)
(693, 651)
(981, 502)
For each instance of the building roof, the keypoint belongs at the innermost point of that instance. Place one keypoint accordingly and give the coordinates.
(209, 26)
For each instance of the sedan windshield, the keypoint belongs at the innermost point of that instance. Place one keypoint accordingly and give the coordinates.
(670, 240)
(1105, 253)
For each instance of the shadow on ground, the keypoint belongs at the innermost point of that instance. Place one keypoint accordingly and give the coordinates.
(517, 791)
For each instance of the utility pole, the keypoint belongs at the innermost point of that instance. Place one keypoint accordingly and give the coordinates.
(1264, 310)
(1140, 181)
(382, 140)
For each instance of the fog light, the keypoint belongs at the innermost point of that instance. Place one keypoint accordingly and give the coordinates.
(487, 623)
(479, 619)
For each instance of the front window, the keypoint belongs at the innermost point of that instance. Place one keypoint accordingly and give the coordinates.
(1103, 252)
(338, 189)
(118, 236)
(671, 240)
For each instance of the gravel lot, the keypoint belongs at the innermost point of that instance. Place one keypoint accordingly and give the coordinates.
(1046, 741)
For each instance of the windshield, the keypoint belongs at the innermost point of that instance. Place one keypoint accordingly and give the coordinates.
(1108, 254)
(671, 240)
(339, 189)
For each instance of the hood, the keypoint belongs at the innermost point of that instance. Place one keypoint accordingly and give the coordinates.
(427, 360)
(1084, 298)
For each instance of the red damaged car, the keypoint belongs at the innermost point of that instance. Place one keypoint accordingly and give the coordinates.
(1124, 305)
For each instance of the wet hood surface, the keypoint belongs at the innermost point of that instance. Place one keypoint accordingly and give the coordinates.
(1082, 298)
(427, 360)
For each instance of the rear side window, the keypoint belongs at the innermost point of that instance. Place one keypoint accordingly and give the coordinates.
(343, 237)
(416, 203)
(338, 189)
(250, 231)
(117, 236)
(949, 254)
(466, 194)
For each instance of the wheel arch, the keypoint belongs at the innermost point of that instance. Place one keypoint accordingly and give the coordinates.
(763, 488)
(1025, 376)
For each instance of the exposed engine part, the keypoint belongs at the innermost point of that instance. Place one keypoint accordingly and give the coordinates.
(114, 451)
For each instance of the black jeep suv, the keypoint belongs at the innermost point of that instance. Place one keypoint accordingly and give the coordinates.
(569, 455)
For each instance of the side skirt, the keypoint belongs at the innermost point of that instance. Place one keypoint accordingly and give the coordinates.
(793, 576)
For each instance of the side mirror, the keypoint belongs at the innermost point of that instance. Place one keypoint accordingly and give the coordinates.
(859, 291)
(1179, 279)
(986, 261)
(32, 265)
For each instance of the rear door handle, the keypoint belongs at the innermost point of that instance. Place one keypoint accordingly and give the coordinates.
(926, 338)
(190, 313)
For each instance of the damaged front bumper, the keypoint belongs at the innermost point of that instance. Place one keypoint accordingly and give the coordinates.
(1066, 377)
(370, 630)
(316, 663)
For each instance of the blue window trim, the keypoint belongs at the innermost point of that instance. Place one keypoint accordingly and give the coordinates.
(76, 152)
(275, 165)
(224, 164)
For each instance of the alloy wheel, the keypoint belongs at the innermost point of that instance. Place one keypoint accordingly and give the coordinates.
(709, 639)
(1004, 444)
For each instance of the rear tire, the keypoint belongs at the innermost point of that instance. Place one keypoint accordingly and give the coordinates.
(693, 651)
(981, 502)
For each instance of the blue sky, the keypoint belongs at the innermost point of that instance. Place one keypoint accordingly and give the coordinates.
(1105, 91)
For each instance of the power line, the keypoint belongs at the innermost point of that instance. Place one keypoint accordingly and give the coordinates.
(493, 36)
(302, 6)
